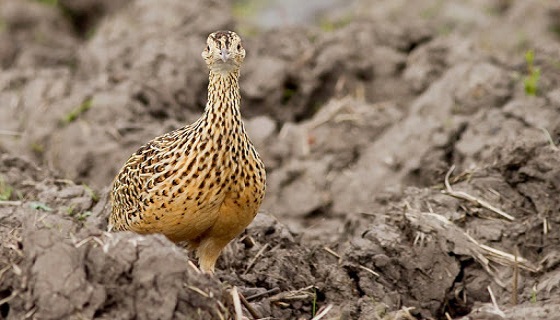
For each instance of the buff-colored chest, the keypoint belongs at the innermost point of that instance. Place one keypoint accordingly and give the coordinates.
(221, 183)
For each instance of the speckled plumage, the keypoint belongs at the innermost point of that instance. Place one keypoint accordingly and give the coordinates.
(202, 183)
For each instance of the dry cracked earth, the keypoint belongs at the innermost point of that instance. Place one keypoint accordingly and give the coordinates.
(411, 149)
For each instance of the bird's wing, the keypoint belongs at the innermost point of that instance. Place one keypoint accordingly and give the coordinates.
(133, 183)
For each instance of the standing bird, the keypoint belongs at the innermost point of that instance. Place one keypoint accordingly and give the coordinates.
(202, 183)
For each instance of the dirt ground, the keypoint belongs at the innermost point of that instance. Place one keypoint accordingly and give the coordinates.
(412, 153)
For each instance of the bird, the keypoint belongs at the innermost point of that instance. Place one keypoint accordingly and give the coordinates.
(203, 183)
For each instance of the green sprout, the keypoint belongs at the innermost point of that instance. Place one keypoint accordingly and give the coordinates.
(314, 303)
(83, 216)
(5, 190)
(40, 206)
(70, 210)
(52, 3)
(37, 147)
(329, 25)
(76, 112)
(2, 25)
(94, 196)
(531, 80)
(533, 298)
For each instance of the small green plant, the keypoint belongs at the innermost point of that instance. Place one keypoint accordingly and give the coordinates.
(531, 80)
(52, 3)
(83, 215)
(314, 303)
(2, 25)
(70, 210)
(5, 190)
(287, 95)
(329, 25)
(94, 196)
(432, 11)
(76, 112)
(80, 216)
(88, 35)
(534, 295)
(40, 206)
(37, 147)
(555, 29)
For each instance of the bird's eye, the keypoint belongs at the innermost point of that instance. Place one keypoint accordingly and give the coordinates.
(238, 47)
(208, 48)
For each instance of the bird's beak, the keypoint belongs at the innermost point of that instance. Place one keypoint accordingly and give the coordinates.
(224, 54)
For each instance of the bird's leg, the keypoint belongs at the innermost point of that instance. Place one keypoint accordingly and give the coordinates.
(208, 252)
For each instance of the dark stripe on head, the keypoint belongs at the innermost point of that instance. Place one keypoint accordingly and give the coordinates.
(223, 34)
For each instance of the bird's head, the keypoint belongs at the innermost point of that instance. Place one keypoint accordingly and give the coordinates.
(224, 51)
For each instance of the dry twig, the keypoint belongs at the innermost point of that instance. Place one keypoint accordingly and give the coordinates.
(3, 270)
(193, 266)
(323, 313)
(199, 291)
(249, 307)
(503, 258)
(9, 298)
(30, 313)
(495, 303)
(463, 242)
(259, 253)
(368, 270)
(10, 203)
(465, 196)
(10, 133)
(549, 139)
(258, 295)
(334, 254)
(404, 314)
(331, 252)
(299, 294)
(237, 304)
(514, 290)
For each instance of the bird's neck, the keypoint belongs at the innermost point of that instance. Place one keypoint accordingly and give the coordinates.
(222, 109)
